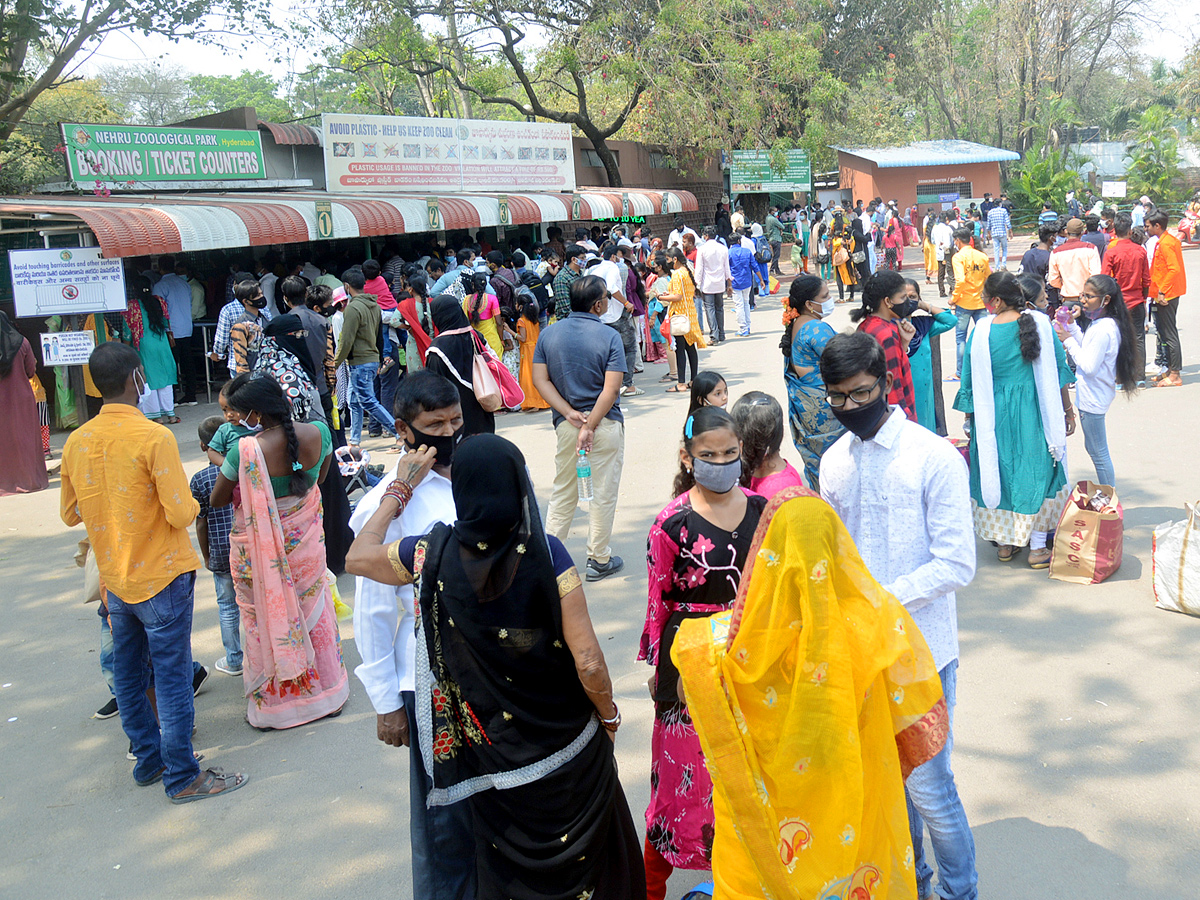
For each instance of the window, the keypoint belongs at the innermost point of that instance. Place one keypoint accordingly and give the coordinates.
(592, 160)
(660, 160)
(933, 193)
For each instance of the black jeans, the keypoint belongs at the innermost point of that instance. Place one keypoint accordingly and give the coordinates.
(685, 353)
(1168, 333)
(714, 311)
(776, 249)
(1137, 317)
(185, 359)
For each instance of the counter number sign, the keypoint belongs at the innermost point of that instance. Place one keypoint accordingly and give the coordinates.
(324, 219)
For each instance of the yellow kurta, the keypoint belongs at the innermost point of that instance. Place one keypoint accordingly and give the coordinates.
(847, 272)
(685, 287)
(814, 697)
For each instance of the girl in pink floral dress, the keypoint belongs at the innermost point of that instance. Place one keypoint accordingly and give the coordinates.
(695, 554)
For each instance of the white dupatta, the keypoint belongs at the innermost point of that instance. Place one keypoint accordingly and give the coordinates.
(1045, 375)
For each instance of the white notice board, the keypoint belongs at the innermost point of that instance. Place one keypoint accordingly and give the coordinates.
(67, 348)
(64, 281)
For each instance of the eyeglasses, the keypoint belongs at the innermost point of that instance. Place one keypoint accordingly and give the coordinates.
(1083, 296)
(859, 395)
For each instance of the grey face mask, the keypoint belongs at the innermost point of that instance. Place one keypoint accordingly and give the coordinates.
(719, 478)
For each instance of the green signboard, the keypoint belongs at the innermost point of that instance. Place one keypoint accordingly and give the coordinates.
(133, 154)
(750, 172)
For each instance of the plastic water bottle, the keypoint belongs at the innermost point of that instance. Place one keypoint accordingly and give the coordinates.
(583, 469)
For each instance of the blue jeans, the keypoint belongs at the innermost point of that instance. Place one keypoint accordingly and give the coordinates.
(443, 843)
(230, 618)
(363, 400)
(106, 648)
(161, 627)
(1095, 441)
(965, 318)
(933, 801)
(1000, 249)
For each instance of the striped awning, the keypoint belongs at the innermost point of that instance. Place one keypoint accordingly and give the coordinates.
(292, 133)
(126, 225)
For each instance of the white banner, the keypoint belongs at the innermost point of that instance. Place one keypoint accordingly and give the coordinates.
(402, 153)
(64, 281)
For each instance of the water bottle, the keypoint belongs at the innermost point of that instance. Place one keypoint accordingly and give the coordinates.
(583, 469)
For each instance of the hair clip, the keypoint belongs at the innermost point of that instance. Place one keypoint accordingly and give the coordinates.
(687, 427)
(296, 467)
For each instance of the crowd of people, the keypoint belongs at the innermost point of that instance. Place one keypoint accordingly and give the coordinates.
(795, 618)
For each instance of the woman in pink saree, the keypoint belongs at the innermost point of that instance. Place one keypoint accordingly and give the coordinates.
(292, 667)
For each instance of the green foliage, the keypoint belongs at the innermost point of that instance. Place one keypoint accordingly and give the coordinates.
(1155, 154)
(1045, 175)
(215, 93)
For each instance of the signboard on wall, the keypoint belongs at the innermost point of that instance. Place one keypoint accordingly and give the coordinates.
(132, 154)
(750, 171)
(405, 153)
(1114, 189)
(67, 348)
(65, 281)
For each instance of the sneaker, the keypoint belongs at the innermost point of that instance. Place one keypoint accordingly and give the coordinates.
(221, 666)
(745, 333)
(596, 570)
(198, 680)
(107, 711)
(129, 754)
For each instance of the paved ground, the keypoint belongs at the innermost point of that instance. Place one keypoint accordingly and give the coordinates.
(1077, 746)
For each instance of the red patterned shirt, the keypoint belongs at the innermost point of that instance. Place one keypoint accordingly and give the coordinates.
(888, 334)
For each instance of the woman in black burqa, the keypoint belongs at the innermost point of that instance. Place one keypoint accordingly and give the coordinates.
(515, 713)
(452, 355)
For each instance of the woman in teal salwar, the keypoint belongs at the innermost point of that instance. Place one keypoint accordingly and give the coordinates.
(151, 333)
(920, 354)
(814, 428)
(1015, 397)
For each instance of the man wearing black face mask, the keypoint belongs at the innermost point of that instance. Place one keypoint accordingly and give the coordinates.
(249, 305)
(903, 493)
(428, 417)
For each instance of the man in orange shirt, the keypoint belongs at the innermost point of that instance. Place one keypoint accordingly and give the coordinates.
(123, 479)
(1167, 284)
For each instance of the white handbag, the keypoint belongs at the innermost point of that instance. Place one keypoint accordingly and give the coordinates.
(680, 325)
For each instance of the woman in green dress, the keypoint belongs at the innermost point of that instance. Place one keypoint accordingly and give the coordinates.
(920, 355)
(1019, 415)
(149, 327)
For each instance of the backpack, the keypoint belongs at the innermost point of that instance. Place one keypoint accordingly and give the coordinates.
(762, 249)
(535, 285)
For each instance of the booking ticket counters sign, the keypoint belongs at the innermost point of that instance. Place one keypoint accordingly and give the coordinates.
(65, 281)
(404, 153)
(130, 155)
(750, 172)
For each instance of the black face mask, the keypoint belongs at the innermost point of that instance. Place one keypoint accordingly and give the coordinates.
(863, 420)
(259, 302)
(906, 308)
(443, 444)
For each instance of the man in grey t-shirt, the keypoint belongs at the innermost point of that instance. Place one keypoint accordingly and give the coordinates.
(578, 367)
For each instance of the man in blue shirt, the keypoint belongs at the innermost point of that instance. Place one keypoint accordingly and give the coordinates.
(742, 269)
(999, 227)
(177, 294)
(578, 368)
(464, 260)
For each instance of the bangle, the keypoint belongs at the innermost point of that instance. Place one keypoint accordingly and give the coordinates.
(615, 722)
(402, 492)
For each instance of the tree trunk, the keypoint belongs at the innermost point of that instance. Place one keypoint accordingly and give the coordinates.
(755, 206)
(612, 170)
(457, 54)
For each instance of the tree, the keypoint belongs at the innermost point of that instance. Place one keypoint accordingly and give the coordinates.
(1045, 175)
(214, 93)
(1155, 154)
(64, 31)
(150, 93)
(580, 69)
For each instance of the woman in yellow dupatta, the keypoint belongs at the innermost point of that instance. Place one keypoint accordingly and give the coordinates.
(814, 697)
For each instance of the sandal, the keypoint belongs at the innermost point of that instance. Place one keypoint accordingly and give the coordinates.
(1006, 553)
(680, 389)
(1039, 559)
(170, 420)
(210, 783)
(667, 379)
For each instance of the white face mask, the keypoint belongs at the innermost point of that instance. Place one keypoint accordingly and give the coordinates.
(255, 428)
(138, 377)
(826, 307)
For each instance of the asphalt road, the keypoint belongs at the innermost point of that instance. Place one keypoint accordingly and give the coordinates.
(1077, 745)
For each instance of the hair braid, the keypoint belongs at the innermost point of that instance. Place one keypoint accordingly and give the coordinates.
(297, 484)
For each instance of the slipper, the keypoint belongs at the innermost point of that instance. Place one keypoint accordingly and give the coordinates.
(210, 783)
(1006, 556)
(667, 379)
(395, 448)
(170, 420)
(679, 389)
(952, 378)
